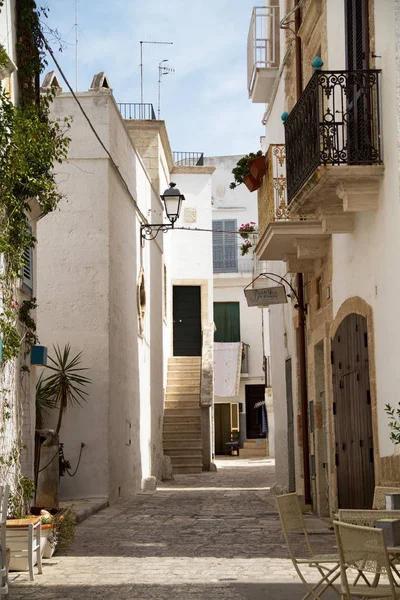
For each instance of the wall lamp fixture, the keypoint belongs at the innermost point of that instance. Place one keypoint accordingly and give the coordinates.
(172, 199)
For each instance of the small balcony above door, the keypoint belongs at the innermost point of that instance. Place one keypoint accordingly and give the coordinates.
(297, 240)
(263, 53)
(334, 148)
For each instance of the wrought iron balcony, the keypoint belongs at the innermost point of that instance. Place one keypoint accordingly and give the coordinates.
(136, 110)
(272, 197)
(188, 159)
(263, 52)
(335, 122)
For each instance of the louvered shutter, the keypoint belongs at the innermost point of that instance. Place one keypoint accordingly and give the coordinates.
(27, 272)
(225, 246)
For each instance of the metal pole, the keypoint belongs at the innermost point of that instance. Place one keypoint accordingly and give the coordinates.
(76, 45)
(141, 72)
(301, 338)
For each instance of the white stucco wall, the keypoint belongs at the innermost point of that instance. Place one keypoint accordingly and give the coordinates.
(365, 262)
(91, 257)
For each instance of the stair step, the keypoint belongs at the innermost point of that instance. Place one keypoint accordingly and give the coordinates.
(180, 444)
(184, 470)
(250, 452)
(185, 453)
(255, 444)
(185, 396)
(195, 374)
(178, 404)
(186, 437)
(181, 427)
(183, 389)
(177, 418)
(182, 412)
(185, 461)
(185, 360)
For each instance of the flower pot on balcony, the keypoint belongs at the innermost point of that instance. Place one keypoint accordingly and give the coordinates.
(258, 167)
(251, 182)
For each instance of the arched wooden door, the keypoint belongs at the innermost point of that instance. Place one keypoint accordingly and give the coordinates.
(354, 455)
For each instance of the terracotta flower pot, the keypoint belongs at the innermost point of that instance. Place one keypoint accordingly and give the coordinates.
(251, 182)
(258, 167)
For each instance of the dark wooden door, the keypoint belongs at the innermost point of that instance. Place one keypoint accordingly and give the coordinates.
(354, 453)
(256, 418)
(290, 425)
(358, 89)
(187, 320)
(222, 426)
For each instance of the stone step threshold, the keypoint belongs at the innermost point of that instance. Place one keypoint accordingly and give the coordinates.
(84, 507)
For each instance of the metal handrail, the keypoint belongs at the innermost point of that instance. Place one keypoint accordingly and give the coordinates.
(188, 159)
(136, 110)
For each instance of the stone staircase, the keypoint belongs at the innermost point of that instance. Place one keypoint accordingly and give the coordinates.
(253, 448)
(182, 440)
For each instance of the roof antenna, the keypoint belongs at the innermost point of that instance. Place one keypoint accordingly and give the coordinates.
(141, 64)
(163, 69)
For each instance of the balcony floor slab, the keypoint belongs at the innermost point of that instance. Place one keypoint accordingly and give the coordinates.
(281, 238)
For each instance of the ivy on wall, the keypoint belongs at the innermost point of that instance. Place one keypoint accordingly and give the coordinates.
(30, 144)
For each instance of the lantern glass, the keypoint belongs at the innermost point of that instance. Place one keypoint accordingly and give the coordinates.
(172, 199)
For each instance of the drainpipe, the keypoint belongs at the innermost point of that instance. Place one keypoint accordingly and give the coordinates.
(301, 322)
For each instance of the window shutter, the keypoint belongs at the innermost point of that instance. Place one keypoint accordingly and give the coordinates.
(27, 272)
(225, 246)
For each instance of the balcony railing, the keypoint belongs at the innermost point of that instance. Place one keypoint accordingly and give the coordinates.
(136, 110)
(335, 122)
(262, 44)
(272, 194)
(188, 159)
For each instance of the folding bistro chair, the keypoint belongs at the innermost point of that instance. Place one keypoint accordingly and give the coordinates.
(4, 491)
(364, 549)
(292, 522)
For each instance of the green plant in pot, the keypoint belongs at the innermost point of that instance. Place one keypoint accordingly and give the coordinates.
(65, 386)
(58, 530)
(246, 231)
(394, 422)
(249, 171)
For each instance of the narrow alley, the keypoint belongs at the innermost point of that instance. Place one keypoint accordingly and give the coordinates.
(210, 536)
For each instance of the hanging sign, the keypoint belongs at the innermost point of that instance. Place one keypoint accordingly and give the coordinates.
(266, 296)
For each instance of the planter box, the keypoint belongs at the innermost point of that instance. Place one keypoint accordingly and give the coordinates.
(47, 548)
(258, 167)
(251, 182)
(23, 539)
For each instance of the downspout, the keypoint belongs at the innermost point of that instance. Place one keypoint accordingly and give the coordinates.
(301, 321)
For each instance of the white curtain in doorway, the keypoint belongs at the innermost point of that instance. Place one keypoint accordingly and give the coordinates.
(227, 367)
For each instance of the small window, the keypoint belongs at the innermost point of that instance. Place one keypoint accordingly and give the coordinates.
(27, 272)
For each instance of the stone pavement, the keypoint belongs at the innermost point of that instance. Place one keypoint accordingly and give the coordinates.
(210, 536)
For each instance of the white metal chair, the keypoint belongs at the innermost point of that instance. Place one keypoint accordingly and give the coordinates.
(379, 500)
(292, 522)
(364, 549)
(4, 492)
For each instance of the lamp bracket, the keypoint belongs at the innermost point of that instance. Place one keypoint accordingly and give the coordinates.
(150, 231)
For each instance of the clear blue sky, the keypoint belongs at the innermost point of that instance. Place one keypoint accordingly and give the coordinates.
(204, 103)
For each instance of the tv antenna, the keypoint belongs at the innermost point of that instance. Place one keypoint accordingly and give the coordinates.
(163, 69)
(141, 64)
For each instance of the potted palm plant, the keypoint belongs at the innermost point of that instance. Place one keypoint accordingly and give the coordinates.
(249, 170)
(66, 385)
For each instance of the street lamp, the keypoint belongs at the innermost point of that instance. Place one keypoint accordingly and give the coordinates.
(172, 199)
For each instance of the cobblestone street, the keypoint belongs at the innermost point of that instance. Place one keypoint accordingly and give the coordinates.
(209, 536)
